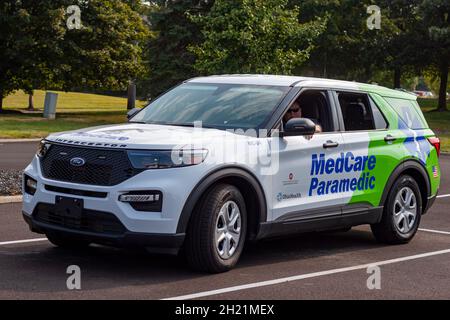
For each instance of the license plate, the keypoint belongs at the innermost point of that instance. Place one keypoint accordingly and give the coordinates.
(69, 207)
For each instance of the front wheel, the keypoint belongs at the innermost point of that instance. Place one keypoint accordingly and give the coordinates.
(217, 230)
(401, 213)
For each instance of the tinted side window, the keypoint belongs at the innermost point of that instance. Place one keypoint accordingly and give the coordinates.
(379, 119)
(356, 111)
(409, 111)
(315, 106)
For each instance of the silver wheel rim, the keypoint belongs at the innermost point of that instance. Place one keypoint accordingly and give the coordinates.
(405, 210)
(228, 229)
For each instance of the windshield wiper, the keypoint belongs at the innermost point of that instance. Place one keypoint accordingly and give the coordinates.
(179, 124)
(175, 124)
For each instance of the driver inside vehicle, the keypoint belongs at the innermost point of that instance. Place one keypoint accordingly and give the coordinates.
(295, 111)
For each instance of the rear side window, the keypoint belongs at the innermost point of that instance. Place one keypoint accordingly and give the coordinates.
(378, 118)
(357, 112)
(409, 111)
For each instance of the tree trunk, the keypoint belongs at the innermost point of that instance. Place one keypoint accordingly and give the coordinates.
(397, 78)
(442, 106)
(1, 102)
(31, 102)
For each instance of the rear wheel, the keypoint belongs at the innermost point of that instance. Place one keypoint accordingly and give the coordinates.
(217, 230)
(401, 214)
(67, 241)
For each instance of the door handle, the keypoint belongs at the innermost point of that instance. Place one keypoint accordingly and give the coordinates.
(389, 138)
(330, 144)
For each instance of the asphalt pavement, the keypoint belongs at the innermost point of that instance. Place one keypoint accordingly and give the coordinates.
(16, 155)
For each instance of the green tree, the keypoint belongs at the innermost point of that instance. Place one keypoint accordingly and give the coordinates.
(45, 32)
(435, 42)
(106, 53)
(38, 51)
(414, 37)
(401, 43)
(253, 36)
(168, 57)
(347, 49)
(13, 42)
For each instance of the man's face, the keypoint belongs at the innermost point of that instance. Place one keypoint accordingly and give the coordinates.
(294, 112)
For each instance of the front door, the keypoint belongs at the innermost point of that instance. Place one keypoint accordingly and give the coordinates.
(307, 184)
(303, 186)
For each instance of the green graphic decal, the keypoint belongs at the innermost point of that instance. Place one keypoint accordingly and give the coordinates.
(409, 144)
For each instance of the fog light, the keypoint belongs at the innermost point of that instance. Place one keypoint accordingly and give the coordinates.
(150, 201)
(30, 185)
(139, 197)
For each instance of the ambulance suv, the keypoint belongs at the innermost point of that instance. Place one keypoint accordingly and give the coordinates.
(219, 161)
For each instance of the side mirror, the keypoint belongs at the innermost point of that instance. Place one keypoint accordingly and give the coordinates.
(299, 127)
(132, 113)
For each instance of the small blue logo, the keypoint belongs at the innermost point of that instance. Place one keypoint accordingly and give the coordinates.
(280, 196)
(77, 162)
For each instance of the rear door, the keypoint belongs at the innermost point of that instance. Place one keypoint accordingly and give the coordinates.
(369, 146)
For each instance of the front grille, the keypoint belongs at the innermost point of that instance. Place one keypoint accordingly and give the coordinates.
(91, 220)
(103, 167)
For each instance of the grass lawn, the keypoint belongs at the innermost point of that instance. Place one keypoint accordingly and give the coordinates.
(74, 111)
(438, 121)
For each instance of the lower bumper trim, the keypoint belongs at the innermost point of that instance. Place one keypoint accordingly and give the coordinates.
(153, 242)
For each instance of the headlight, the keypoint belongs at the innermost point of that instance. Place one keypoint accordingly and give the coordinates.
(30, 185)
(43, 148)
(166, 159)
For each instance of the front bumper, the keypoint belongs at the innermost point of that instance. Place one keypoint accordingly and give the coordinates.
(174, 184)
(158, 243)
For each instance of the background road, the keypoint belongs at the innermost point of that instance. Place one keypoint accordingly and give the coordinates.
(37, 270)
(16, 155)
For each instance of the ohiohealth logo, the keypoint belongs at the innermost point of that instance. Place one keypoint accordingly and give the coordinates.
(279, 197)
(284, 196)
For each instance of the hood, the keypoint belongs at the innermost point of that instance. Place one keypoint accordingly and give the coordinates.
(141, 136)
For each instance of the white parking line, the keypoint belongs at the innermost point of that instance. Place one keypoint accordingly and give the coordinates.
(443, 196)
(304, 276)
(22, 241)
(434, 231)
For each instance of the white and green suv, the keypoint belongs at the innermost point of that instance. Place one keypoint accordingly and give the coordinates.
(215, 162)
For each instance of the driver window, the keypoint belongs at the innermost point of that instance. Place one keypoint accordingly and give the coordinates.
(311, 104)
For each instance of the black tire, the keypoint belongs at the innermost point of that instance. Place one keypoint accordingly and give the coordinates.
(67, 242)
(200, 247)
(386, 230)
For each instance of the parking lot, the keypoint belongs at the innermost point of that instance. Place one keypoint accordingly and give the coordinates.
(309, 266)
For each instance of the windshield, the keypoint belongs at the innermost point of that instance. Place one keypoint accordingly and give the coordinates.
(220, 106)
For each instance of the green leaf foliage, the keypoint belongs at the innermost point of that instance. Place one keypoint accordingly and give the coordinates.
(253, 36)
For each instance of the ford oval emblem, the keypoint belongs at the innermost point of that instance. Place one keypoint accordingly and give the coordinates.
(77, 162)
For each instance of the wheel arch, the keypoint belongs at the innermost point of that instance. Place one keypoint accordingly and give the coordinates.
(416, 170)
(247, 184)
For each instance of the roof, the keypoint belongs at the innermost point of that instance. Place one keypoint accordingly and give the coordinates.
(250, 79)
(286, 81)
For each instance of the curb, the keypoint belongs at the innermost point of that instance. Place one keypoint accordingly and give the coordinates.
(18, 140)
(10, 199)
